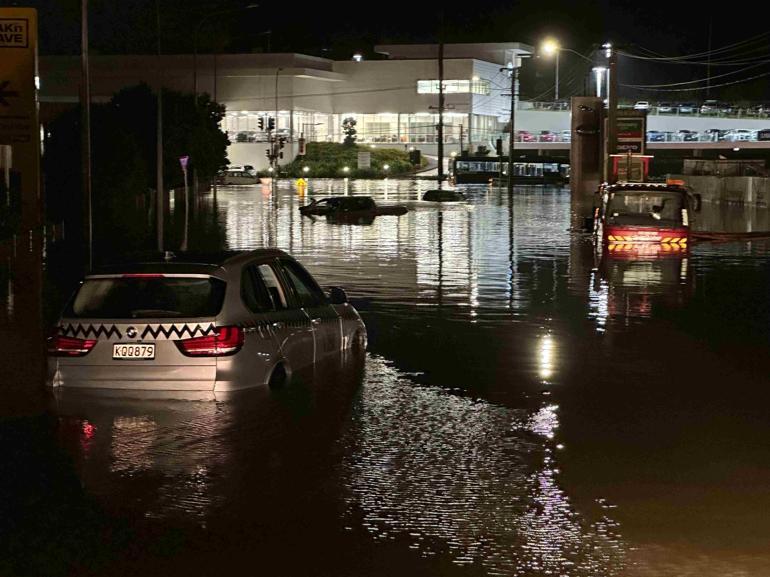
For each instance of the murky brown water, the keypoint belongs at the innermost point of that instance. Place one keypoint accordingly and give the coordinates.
(527, 408)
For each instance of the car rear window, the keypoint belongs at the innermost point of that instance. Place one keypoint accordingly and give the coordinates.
(136, 297)
(645, 208)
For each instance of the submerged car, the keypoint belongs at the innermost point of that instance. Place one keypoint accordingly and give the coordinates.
(233, 176)
(635, 213)
(349, 206)
(222, 323)
(443, 195)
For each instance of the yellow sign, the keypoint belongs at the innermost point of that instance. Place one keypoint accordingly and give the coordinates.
(18, 69)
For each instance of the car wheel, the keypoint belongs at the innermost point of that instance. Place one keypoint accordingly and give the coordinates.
(358, 346)
(279, 377)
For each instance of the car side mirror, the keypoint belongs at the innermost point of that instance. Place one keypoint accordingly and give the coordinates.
(337, 295)
(696, 202)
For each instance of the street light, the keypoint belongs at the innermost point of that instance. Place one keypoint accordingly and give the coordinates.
(195, 39)
(551, 48)
(599, 72)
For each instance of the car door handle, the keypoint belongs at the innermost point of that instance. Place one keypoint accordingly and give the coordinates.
(315, 321)
(278, 325)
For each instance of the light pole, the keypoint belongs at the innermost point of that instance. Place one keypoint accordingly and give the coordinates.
(552, 48)
(599, 74)
(85, 108)
(195, 39)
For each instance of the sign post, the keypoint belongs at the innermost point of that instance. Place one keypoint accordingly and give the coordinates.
(364, 160)
(20, 156)
(183, 160)
(19, 127)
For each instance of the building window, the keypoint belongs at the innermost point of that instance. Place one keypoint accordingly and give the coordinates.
(479, 86)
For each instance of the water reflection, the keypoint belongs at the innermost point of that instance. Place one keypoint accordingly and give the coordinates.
(629, 285)
(506, 316)
(174, 455)
(457, 476)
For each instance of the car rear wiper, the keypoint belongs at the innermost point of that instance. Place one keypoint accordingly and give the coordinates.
(143, 313)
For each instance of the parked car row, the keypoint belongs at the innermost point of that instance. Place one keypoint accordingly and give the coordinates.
(706, 108)
(710, 135)
(683, 135)
(544, 136)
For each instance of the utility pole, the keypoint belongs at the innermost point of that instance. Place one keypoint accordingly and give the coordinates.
(556, 87)
(85, 111)
(514, 82)
(441, 110)
(513, 70)
(708, 67)
(612, 106)
(159, 194)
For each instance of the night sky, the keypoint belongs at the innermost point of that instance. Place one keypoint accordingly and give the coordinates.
(337, 29)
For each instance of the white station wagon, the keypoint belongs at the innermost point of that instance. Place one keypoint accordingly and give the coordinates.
(237, 321)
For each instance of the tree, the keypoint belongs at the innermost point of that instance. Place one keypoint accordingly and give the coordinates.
(188, 130)
(349, 128)
(124, 161)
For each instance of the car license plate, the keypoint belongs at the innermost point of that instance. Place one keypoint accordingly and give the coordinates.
(133, 351)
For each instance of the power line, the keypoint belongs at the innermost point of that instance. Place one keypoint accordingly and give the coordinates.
(645, 86)
(697, 55)
(702, 87)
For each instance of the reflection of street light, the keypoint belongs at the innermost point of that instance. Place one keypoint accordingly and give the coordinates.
(385, 167)
(552, 48)
(346, 169)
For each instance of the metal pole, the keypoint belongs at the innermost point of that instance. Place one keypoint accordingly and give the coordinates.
(514, 78)
(159, 195)
(556, 90)
(708, 67)
(440, 113)
(186, 211)
(85, 108)
(273, 144)
(612, 107)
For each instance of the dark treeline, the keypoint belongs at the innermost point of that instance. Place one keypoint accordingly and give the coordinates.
(123, 137)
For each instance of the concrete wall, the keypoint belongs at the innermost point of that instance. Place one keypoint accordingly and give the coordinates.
(378, 86)
(734, 189)
(253, 153)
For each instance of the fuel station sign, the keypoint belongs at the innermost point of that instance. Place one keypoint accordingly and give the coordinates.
(18, 69)
(631, 134)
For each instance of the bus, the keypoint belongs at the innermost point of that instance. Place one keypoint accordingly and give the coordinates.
(526, 169)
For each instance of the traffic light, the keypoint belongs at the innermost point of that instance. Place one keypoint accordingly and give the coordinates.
(499, 146)
(261, 122)
(282, 142)
(270, 123)
(267, 152)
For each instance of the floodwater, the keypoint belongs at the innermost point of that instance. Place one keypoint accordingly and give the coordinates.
(527, 407)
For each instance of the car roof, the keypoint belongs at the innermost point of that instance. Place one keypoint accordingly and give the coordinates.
(213, 263)
(645, 186)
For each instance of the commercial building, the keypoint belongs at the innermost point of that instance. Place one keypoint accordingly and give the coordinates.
(393, 100)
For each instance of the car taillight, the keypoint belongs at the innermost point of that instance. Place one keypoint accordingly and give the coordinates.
(225, 341)
(61, 346)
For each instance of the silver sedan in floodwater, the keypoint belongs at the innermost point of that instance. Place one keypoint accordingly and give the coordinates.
(219, 324)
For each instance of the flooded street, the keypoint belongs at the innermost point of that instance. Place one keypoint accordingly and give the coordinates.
(527, 407)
